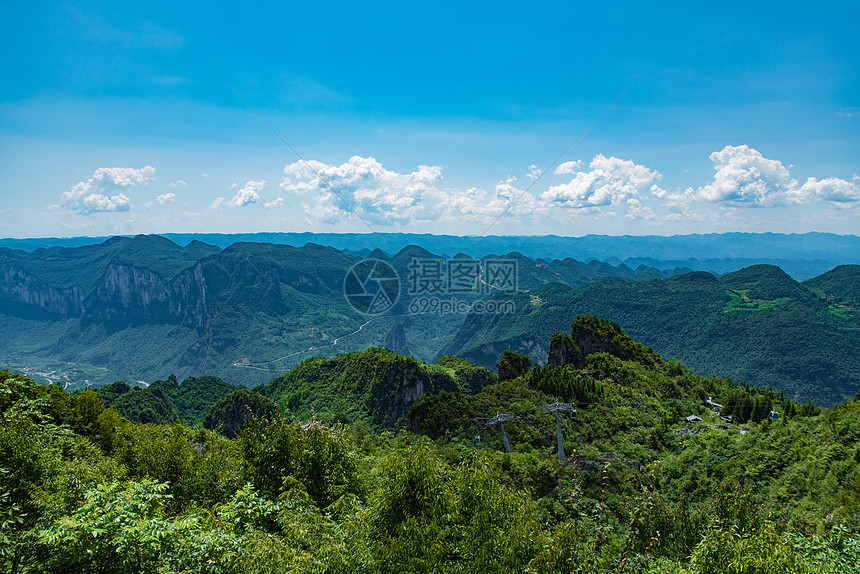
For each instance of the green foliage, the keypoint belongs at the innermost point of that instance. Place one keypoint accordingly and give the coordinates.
(84, 490)
(512, 365)
(195, 465)
(469, 378)
(232, 411)
(283, 455)
(194, 396)
(116, 530)
(592, 335)
(787, 338)
(763, 551)
(149, 405)
(840, 285)
(377, 385)
(41, 402)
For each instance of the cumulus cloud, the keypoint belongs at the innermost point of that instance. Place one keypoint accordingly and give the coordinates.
(608, 181)
(382, 196)
(745, 178)
(100, 192)
(568, 167)
(830, 189)
(179, 183)
(248, 194)
(379, 195)
(673, 198)
(166, 198)
(274, 203)
(637, 210)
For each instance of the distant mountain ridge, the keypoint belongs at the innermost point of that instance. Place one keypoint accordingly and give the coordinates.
(756, 324)
(145, 307)
(800, 255)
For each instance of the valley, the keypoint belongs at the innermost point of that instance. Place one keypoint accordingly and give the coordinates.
(142, 308)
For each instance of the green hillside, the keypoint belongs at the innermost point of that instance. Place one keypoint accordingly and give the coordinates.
(376, 385)
(166, 401)
(840, 287)
(84, 266)
(142, 307)
(757, 325)
(232, 411)
(642, 488)
(193, 398)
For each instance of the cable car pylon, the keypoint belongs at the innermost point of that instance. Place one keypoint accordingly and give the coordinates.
(499, 419)
(559, 408)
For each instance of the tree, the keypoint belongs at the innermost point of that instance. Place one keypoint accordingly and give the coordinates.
(512, 365)
(282, 453)
(231, 412)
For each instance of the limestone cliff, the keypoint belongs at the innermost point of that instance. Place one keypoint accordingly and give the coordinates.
(22, 293)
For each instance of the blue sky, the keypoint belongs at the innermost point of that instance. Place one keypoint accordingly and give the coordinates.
(433, 118)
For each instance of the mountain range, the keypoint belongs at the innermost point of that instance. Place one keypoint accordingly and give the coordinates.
(801, 255)
(756, 324)
(144, 307)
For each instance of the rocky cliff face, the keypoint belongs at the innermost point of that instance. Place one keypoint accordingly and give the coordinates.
(129, 295)
(124, 295)
(395, 340)
(23, 292)
(409, 384)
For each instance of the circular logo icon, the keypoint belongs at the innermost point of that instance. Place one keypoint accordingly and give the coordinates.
(371, 286)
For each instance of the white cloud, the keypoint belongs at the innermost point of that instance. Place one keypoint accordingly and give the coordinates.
(166, 198)
(745, 178)
(179, 183)
(274, 203)
(379, 195)
(684, 214)
(568, 167)
(476, 202)
(673, 198)
(97, 193)
(830, 189)
(637, 210)
(609, 181)
(606, 187)
(248, 194)
(385, 197)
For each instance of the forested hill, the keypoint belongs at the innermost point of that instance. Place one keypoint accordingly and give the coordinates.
(376, 385)
(801, 255)
(660, 471)
(840, 286)
(138, 309)
(757, 325)
(141, 308)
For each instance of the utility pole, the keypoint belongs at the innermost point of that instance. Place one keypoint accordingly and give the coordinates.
(499, 419)
(558, 408)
